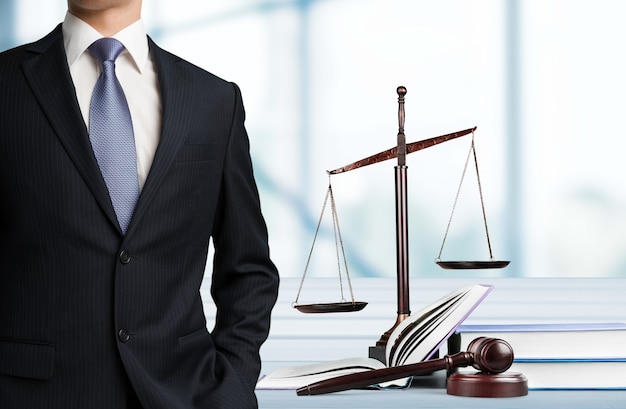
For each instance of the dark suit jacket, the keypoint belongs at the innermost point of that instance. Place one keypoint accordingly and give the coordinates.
(86, 314)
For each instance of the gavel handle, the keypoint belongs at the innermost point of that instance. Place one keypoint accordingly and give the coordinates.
(367, 378)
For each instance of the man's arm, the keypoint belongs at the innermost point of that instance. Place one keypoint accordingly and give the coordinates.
(245, 281)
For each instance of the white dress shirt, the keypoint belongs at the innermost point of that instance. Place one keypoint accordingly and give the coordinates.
(136, 72)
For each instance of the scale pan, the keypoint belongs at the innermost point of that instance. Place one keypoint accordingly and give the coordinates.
(472, 265)
(331, 307)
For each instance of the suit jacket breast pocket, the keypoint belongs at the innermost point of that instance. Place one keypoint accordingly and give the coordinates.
(26, 359)
(196, 152)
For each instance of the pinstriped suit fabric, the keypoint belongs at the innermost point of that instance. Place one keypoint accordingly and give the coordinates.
(88, 316)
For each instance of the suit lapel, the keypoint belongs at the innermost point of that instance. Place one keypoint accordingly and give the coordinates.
(49, 77)
(177, 104)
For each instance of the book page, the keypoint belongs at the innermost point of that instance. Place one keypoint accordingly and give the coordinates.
(416, 339)
(415, 320)
(297, 376)
(414, 334)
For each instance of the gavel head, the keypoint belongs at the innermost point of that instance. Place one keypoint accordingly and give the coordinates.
(491, 355)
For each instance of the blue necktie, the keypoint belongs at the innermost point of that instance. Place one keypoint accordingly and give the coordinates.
(111, 133)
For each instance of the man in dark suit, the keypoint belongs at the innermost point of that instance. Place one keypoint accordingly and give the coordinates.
(99, 313)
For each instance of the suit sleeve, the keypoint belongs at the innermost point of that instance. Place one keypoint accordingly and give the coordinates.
(245, 281)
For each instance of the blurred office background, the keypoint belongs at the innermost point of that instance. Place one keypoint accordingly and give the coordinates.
(543, 80)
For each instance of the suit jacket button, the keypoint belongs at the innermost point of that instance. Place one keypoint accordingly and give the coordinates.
(123, 335)
(125, 257)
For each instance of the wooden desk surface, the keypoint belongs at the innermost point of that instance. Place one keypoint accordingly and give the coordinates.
(297, 338)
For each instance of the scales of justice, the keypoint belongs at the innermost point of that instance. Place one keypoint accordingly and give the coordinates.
(402, 255)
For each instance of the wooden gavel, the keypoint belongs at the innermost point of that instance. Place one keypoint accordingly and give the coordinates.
(488, 355)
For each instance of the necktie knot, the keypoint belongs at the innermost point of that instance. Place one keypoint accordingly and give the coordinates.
(106, 49)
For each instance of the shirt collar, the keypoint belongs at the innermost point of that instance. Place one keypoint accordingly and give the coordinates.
(78, 35)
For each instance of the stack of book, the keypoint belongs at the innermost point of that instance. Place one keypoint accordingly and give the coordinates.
(559, 356)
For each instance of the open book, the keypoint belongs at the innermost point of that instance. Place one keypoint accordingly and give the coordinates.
(415, 339)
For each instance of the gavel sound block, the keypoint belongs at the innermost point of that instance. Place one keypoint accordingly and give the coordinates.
(490, 356)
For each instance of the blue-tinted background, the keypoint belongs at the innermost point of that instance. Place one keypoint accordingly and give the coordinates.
(542, 80)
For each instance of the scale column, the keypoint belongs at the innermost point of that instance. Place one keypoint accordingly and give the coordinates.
(402, 241)
(402, 235)
(402, 225)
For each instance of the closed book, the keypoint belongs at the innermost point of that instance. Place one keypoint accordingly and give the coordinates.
(549, 341)
(558, 356)
(572, 374)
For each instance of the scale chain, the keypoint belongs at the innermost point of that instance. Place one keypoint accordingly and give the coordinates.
(338, 244)
(482, 202)
(308, 260)
(343, 252)
(472, 151)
